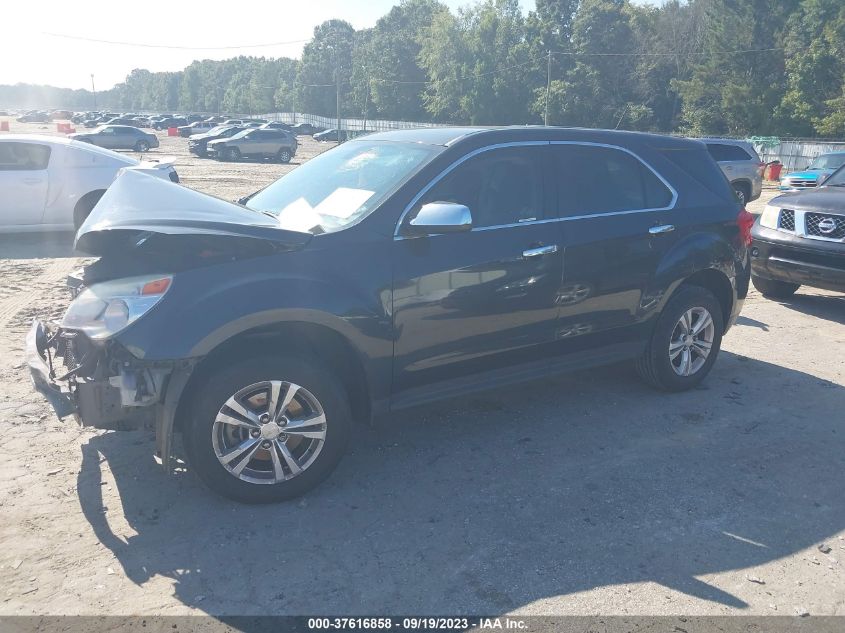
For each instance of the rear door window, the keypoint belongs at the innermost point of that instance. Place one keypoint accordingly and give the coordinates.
(23, 156)
(723, 152)
(595, 179)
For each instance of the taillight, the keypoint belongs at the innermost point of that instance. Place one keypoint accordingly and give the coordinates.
(745, 221)
(762, 168)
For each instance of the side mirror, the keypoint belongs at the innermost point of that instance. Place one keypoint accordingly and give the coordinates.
(440, 217)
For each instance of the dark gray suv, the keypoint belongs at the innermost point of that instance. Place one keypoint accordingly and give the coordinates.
(271, 144)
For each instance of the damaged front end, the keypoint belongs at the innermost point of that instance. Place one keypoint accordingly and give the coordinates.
(99, 383)
(152, 239)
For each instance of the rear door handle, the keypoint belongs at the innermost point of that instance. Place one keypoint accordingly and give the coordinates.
(665, 228)
(540, 251)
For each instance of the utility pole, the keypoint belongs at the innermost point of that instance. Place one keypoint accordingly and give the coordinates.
(294, 102)
(366, 98)
(548, 87)
(337, 79)
(93, 91)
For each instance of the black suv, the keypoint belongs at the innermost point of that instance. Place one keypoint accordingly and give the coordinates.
(393, 270)
(800, 240)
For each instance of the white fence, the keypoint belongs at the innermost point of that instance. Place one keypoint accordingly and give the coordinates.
(797, 154)
(356, 125)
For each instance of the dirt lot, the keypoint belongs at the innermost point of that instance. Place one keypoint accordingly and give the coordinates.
(584, 494)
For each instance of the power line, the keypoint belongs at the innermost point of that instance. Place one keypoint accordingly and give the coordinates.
(173, 47)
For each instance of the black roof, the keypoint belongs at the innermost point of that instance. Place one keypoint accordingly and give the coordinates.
(447, 136)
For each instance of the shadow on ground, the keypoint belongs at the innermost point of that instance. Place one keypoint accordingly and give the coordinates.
(36, 245)
(830, 307)
(485, 504)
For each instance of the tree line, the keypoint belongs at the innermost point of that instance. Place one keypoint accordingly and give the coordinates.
(732, 67)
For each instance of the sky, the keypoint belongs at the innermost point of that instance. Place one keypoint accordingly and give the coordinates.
(33, 52)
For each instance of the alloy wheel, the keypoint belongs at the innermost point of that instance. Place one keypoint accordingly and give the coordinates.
(691, 341)
(269, 432)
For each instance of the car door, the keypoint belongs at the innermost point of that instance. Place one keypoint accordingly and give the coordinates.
(107, 137)
(266, 142)
(24, 182)
(125, 137)
(615, 230)
(482, 299)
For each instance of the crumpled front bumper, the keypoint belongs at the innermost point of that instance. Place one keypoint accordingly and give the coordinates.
(39, 359)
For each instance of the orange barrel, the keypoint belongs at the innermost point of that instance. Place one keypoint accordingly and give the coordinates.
(773, 171)
(172, 131)
(4, 126)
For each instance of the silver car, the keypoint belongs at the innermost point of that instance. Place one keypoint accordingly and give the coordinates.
(741, 165)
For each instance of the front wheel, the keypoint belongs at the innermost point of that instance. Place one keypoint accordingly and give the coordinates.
(232, 154)
(685, 341)
(268, 429)
(773, 289)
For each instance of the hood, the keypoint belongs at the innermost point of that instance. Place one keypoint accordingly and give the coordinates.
(823, 199)
(138, 205)
(810, 174)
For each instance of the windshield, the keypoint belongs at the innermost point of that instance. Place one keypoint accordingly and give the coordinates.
(828, 161)
(341, 186)
(218, 129)
(836, 179)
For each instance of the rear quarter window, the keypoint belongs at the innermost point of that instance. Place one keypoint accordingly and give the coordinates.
(699, 165)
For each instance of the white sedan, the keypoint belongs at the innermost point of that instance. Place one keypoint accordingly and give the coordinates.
(52, 183)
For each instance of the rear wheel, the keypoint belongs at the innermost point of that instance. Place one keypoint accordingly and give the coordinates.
(685, 341)
(142, 146)
(774, 289)
(284, 155)
(268, 429)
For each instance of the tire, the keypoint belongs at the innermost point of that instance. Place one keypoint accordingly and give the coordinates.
(142, 146)
(657, 366)
(742, 192)
(258, 482)
(773, 289)
(84, 207)
(284, 155)
(232, 154)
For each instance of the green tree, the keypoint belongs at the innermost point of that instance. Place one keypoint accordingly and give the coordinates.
(327, 57)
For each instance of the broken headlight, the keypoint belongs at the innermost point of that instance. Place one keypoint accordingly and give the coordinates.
(106, 308)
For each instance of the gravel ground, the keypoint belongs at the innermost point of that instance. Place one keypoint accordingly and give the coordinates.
(583, 494)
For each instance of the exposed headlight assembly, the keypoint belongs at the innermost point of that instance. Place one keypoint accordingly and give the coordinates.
(770, 216)
(105, 309)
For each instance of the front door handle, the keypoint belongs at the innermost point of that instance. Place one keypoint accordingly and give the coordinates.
(32, 181)
(540, 251)
(665, 228)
